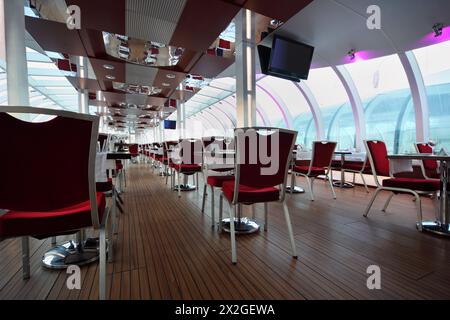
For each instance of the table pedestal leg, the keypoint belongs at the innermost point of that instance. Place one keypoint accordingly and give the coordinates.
(242, 225)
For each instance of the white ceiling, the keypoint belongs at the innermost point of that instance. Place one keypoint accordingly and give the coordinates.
(334, 27)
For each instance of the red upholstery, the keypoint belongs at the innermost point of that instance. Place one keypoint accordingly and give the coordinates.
(119, 165)
(75, 217)
(36, 161)
(217, 181)
(133, 149)
(413, 184)
(427, 164)
(249, 194)
(322, 153)
(336, 164)
(314, 170)
(186, 168)
(378, 151)
(357, 166)
(104, 186)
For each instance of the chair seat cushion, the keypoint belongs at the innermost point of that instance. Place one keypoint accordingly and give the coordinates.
(26, 223)
(104, 186)
(217, 181)
(315, 171)
(186, 168)
(413, 184)
(250, 194)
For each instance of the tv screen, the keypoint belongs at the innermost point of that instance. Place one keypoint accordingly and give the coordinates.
(170, 124)
(290, 59)
(264, 58)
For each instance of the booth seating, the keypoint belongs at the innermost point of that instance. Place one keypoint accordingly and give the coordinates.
(259, 182)
(380, 164)
(320, 165)
(60, 197)
(215, 169)
(429, 168)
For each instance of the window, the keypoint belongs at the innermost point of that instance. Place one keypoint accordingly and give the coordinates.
(434, 64)
(384, 89)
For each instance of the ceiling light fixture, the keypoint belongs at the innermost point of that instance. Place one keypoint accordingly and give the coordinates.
(351, 54)
(170, 76)
(110, 77)
(108, 66)
(437, 28)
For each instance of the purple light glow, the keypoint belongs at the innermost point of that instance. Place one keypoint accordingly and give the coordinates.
(362, 56)
(430, 38)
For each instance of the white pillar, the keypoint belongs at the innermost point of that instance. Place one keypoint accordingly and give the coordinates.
(419, 95)
(83, 96)
(179, 120)
(16, 59)
(245, 69)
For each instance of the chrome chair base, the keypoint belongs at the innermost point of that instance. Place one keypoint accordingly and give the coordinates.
(71, 253)
(241, 226)
(297, 189)
(435, 227)
(339, 184)
(185, 187)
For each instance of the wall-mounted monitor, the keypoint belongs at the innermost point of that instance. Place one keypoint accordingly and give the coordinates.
(288, 59)
(170, 124)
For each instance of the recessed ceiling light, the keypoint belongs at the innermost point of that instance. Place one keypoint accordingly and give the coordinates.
(110, 77)
(170, 76)
(165, 84)
(108, 66)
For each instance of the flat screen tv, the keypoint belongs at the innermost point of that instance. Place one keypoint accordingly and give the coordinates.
(170, 124)
(288, 59)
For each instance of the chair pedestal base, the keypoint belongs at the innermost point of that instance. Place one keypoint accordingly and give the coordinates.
(71, 253)
(435, 227)
(339, 184)
(297, 189)
(185, 187)
(241, 226)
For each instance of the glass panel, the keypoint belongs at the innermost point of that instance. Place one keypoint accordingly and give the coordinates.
(434, 64)
(384, 88)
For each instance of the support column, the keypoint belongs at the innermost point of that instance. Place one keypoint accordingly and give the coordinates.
(83, 96)
(355, 102)
(245, 69)
(16, 59)
(419, 95)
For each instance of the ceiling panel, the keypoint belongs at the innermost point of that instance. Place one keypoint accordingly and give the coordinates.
(153, 20)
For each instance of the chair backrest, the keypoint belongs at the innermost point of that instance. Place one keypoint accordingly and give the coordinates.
(377, 154)
(431, 165)
(263, 156)
(189, 151)
(56, 169)
(322, 153)
(133, 148)
(103, 138)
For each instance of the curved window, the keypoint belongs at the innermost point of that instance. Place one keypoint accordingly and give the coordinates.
(338, 121)
(384, 89)
(434, 65)
(270, 106)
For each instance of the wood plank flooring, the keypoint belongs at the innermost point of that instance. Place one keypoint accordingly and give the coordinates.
(166, 249)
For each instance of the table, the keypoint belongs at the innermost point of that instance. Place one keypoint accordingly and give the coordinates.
(118, 155)
(342, 183)
(441, 225)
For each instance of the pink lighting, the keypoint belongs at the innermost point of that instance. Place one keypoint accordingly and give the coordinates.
(430, 38)
(362, 56)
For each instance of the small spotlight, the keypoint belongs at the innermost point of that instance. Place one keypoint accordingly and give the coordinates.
(437, 29)
(351, 54)
(110, 77)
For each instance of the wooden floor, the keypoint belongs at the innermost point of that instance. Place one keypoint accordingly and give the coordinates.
(166, 249)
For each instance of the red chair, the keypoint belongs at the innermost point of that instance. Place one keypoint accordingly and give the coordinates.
(168, 147)
(320, 165)
(377, 153)
(134, 151)
(258, 179)
(186, 159)
(358, 167)
(55, 193)
(429, 167)
(215, 169)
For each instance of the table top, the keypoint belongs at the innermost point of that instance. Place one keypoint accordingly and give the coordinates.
(420, 156)
(342, 152)
(118, 155)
